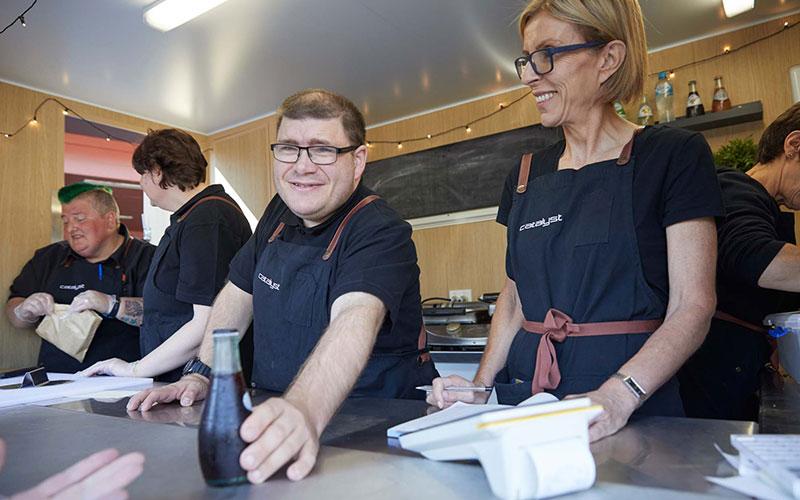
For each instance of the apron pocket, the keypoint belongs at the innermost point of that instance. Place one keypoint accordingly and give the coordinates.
(300, 306)
(594, 218)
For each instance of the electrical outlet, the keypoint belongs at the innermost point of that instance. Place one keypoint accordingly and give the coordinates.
(461, 295)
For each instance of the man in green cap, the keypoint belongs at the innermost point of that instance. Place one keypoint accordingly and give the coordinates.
(99, 267)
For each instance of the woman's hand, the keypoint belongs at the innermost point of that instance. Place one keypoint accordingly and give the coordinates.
(443, 398)
(114, 366)
(618, 404)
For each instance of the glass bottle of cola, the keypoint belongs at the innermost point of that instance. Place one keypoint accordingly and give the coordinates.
(227, 405)
(694, 105)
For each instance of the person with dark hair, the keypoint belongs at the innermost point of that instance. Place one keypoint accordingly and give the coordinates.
(331, 283)
(190, 266)
(99, 267)
(758, 273)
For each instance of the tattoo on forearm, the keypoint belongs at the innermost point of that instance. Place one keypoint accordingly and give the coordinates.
(131, 311)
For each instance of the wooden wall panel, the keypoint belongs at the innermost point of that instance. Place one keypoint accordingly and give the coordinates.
(242, 155)
(32, 170)
(461, 256)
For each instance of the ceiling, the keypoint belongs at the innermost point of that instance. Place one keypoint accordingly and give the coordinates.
(237, 62)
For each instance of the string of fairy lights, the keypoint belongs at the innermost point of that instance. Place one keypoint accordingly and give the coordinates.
(19, 19)
(33, 121)
(466, 127)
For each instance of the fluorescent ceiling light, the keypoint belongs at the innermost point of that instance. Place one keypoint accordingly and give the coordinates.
(736, 7)
(165, 15)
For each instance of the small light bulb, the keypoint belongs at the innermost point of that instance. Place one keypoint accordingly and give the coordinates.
(429, 136)
(33, 121)
(502, 105)
(108, 139)
(369, 144)
(22, 21)
(7, 136)
(65, 112)
(786, 24)
(399, 145)
(726, 49)
(468, 129)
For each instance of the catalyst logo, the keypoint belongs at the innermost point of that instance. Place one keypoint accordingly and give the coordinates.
(268, 281)
(553, 219)
(72, 287)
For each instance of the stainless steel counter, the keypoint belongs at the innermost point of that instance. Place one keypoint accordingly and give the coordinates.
(652, 457)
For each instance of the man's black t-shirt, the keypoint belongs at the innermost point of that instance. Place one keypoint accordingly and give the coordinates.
(673, 181)
(749, 237)
(375, 255)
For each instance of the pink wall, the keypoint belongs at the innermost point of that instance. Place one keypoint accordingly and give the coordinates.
(96, 157)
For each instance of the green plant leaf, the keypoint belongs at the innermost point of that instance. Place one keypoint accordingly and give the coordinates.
(740, 154)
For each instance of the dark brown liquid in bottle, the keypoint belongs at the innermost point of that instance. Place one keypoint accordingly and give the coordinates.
(219, 441)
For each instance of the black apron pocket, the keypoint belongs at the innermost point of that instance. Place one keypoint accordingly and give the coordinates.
(300, 305)
(594, 218)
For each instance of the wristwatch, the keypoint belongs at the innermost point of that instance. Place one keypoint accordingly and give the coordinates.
(632, 385)
(194, 365)
(114, 309)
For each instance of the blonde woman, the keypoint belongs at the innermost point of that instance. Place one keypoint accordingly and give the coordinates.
(616, 290)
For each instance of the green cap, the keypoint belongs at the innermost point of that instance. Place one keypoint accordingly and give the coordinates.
(68, 193)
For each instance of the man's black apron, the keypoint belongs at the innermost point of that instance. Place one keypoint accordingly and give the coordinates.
(291, 286)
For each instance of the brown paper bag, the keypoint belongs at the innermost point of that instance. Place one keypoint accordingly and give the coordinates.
(70, 332)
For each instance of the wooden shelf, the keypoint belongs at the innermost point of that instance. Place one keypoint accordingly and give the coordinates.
(743, 113)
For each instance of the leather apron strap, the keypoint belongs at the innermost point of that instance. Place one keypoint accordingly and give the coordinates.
(209, 198)
(557, 326)
(335, 240)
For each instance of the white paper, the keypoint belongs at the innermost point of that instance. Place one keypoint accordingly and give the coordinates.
(460, 410)
(79, 387)
(562, 467)
(751, 486)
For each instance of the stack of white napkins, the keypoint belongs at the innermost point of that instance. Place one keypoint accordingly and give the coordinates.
(77, 387)
(768, 465)
(527, 451)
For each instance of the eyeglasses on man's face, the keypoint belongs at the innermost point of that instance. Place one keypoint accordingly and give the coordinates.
(542, 60)
(319, 155)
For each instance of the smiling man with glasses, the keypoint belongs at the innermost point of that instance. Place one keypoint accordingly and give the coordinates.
(331, 283)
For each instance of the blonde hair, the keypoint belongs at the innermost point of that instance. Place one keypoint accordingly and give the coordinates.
(604, 20)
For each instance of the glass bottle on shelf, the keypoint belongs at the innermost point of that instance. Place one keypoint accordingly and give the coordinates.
(694, 106)
(721, 99)
(645, 114)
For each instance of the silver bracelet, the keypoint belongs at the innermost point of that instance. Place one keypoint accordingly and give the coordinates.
(632, 385)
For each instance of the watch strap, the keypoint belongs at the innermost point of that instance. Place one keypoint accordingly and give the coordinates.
(632, 385)
(194, 365)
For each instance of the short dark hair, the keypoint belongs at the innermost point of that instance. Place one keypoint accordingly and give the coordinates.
(323, 104)
(771, 144)
(176, 154)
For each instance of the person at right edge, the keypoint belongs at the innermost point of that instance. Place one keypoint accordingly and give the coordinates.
(758, 273)
(611, 241)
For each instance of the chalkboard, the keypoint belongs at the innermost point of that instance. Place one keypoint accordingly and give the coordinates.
(460, 176)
